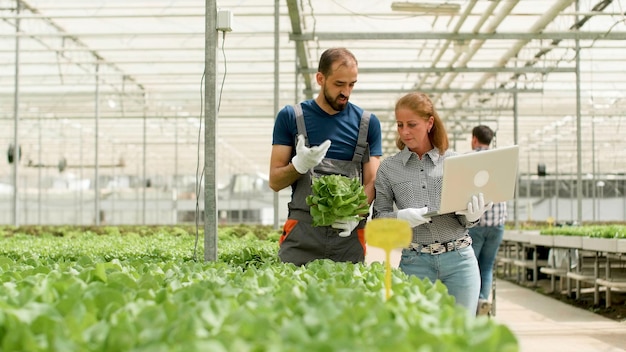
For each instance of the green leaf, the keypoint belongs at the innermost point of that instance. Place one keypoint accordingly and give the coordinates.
(336, 197)
(122, 336)
(20, 337)
(121, 281)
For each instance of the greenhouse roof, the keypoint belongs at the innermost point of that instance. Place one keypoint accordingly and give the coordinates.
(548, 75)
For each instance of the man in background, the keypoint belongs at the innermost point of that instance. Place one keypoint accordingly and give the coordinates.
(487, 234)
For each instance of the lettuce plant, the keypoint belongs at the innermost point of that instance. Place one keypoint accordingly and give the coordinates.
(336, 197)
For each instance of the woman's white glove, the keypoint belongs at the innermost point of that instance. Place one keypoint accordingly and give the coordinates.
(347, 226)
(307, 158)
(475, 208)
(415, 216)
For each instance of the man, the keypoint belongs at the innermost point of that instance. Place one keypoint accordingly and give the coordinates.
(325, 135)
(487, 234)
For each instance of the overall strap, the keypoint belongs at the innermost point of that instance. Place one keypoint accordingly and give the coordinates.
(300, 123)
(362, 152)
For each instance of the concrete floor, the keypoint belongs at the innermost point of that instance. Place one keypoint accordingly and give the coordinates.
(542, 323)
(545, 324)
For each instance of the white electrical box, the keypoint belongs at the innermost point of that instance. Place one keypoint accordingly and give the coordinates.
(224, 20)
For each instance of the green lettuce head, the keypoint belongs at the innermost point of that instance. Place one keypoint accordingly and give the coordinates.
(336, 197)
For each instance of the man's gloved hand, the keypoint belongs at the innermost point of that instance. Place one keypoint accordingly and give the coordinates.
(415, 216)
(346, 226)
(307, 158)
(475, 208)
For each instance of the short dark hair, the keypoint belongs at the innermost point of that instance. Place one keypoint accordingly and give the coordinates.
(483, 133)
(332, 55)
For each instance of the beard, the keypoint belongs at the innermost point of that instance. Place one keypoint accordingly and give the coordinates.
(334, 102)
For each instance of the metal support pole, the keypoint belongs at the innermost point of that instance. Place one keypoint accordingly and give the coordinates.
(174, 183)
(113, 187)
(528, 185)
(144, 152)
(138, 190)
(515, 141)
(572, 195)
(16, 118)
(593, 169)
(39, 183)
(97, 143)
(579, 185)
(80, 173)
(276, 88)
(210, 118)
(556, 177)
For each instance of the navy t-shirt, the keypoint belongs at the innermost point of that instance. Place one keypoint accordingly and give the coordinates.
(342, 129)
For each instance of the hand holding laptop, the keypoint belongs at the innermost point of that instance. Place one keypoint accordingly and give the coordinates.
(415, 216)
(475, 208)
(491, 172)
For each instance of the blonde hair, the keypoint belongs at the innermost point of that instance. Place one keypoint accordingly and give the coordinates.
(423, 107)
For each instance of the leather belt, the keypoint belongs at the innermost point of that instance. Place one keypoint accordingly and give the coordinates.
(438, 248)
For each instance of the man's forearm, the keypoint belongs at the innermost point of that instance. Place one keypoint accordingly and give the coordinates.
(369, 177)
(370, 192)
(283, 177)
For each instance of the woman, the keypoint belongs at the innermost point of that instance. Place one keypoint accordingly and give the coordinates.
(441, 247)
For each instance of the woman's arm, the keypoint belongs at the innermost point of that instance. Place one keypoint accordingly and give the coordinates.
(383, 203)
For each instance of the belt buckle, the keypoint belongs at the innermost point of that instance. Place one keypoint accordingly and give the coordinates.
(438, 248)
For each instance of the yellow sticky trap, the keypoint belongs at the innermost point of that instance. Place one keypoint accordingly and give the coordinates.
(388, 234)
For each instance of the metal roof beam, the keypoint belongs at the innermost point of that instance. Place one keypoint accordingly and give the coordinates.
(458, 36)
(459, 69)
(62, 33)
(353, 36)
(301, 52)
(478, 109)
(443, 91)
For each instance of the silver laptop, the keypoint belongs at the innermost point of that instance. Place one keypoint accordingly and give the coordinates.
(492, 172)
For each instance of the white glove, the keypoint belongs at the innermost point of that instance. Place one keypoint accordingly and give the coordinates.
(347, 226)
(307, 158)
(415, 216)
(475, 208)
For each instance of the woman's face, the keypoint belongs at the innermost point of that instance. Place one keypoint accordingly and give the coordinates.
(413, 129)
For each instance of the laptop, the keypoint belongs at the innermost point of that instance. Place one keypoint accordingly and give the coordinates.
(492, 172)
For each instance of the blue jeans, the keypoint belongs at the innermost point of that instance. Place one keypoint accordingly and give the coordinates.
(457, 270)
(486, 241)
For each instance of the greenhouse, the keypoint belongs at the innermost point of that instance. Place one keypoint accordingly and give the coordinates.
(111, 95)
(138, 139)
